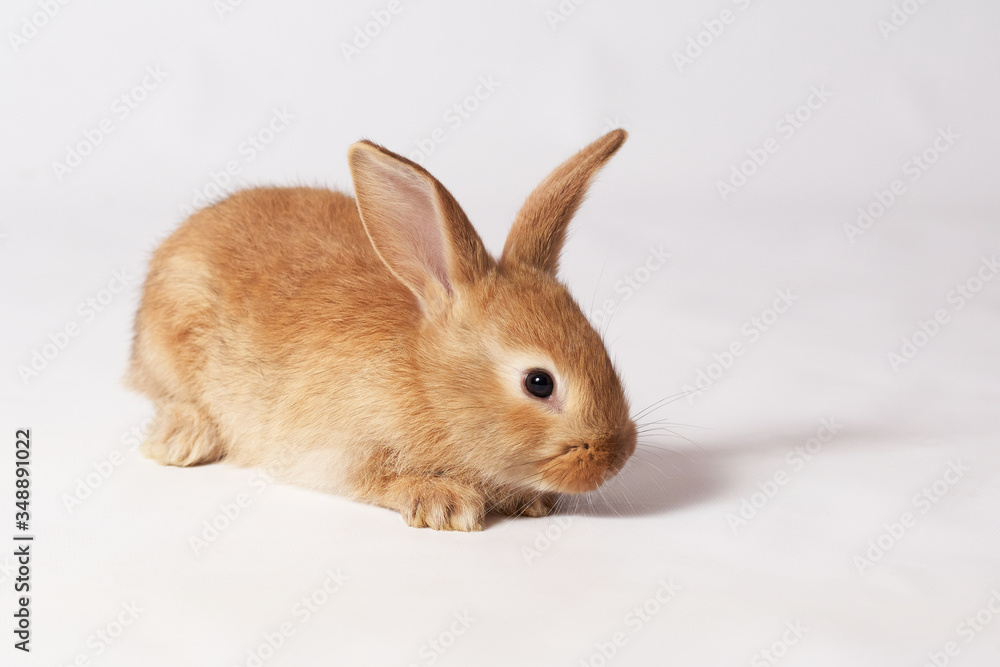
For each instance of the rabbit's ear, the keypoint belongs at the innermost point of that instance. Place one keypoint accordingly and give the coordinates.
(539, 229)
(415, 225)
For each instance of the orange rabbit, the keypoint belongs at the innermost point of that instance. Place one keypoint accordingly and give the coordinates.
(375, 349)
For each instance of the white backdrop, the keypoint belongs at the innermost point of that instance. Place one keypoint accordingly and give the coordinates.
(822, 179)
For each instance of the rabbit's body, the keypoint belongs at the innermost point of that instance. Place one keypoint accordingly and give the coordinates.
(272, 284)
(279, 330)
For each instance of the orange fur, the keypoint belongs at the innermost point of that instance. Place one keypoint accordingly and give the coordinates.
(375, 349)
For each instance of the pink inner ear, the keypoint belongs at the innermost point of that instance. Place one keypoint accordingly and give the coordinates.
(407, 228)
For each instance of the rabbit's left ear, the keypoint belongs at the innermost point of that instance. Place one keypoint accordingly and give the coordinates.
(540, 226)
(415, 225)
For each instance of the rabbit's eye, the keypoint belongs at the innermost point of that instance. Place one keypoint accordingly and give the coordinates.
(539, 383)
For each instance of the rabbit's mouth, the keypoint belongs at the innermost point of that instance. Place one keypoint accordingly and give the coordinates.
(584, 466)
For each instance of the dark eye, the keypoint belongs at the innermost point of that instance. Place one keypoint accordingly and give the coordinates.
(539, 383)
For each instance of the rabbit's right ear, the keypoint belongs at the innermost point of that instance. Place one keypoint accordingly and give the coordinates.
(415, 225)
(539, 230)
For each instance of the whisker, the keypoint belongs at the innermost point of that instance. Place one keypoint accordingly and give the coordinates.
(656, 405)
(670, 423)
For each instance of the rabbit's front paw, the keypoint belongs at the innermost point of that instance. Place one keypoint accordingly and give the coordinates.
(529, 504)
(542, 505)
(443, 504)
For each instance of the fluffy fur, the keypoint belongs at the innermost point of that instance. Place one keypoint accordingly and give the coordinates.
(375, 349)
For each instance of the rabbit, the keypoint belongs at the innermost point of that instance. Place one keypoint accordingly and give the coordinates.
(371, 347)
